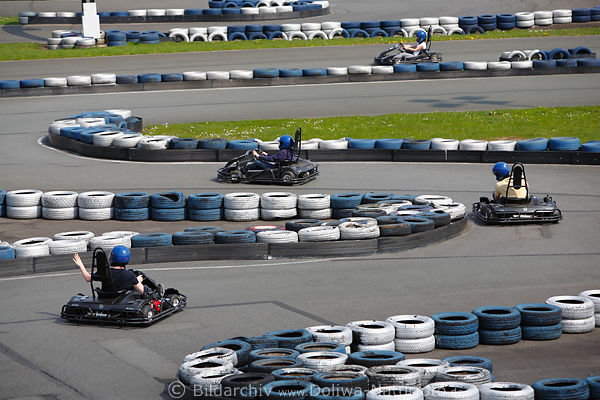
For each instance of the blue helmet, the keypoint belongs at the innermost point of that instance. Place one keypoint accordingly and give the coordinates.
(421, 36)
(119, 255)
(501, 170)
(286, 142)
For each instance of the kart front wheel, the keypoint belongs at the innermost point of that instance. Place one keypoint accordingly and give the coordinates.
(147, 312)
(288, 176)
(173, 300)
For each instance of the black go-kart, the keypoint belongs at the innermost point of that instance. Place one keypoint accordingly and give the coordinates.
(508, 210)
(392, 55)
(123, 307)
(296, 171)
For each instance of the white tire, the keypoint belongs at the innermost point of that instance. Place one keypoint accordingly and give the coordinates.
(427, 21)
(285, 9)
(436, 200)
(46, 14)
(376, 347)
(67, 247)
(372, 332)
(23, 198)
(573, 307)
(393, 375)
(85, 42)
(309, 145)
(597, 317)
(153, 144)
(362, 220)
(423, 345)
(122, 234)
(473, 145)
(210, 385)
(311, 26)
(542, 14)
(104, 79)
(65, 14)
(412, 326)
(156, 12)
(315, 201)
(337, 71)
(217, 36)
(59, 199)
(562, 20)
(59, 213)
(105, 139)
(382, 69)
(249, 11)
(297, 35)
(506, 390)
(192, 368)
(456, 210)
(277, 237)
(444, 144)
(242, 215)
(23, 20)
(179, 36)
(199, 37)
(182, 30)
(395, 393)
(137, 13)
(331, 25)
(202, 30)
(334, 33)
(219, 353)
(498, 65)
(56, 34)
(217, 75)
(525, 24)
(521, 64)
(241, 74)
(194, 76)
(268, 214)
(331, 333)
(502, 145)
(175, 11)
(278, 200)
(448, 20)
(269, 146)
(594, 296)
(75, 236)
(407, 213)
(324, 213)
(450, 390)
(29, 212)
(241, 200)
(33, 247)
(584, 325)
(107, 243)
(533, 54)
(57, 125)
(562, 13)
(319, 234)
(123, 113)
(475, 65)
(69, 40)
(89, 122)
(404, 22)
(291, 27)
(438, 29)
(127, 140)
(317, 35)
(95, 214)
(215, 29)
(55, 82)
(324, 4)
(79, 80)
(53, 40)
(467, 374)
(544, 22)
(267, 10)
(358, 231)
(414, 31)
(95, 199)
(524, 16)
(322, 360)
(428, 367)
(359, 70)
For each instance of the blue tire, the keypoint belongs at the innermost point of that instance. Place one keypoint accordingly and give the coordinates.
(119, 14)
(537, 144)
(116, 36)
(487, 27)
(127, 79)
(508, 336)
(582, 18)
(351, 25)
(563, 144)
(457, 342)
(321, 346)
(375, 357)
(539, 314)
(486, 19)
(439, 217)
(257, 36)
(581, 50)
(288, 389)
(260, 342)
(167, 214)
(467, 20)
(559, 54)
(594, 384)
(171, 77)
(193, 11)
(299, 7)
(117, 44)
(548, 332)
(225, 237)
(378, 33)
(210, 229)
(10, 84)
(242, 145)
(544, 64)
(471, 361)
(417, 224)
(455, 323)
(212, 11)
(393, 31)
(205, 201)
(506, 26)
(275, 35)
(184, 238)
(593, 146)
(473, 29)
(588, 62)
(148, 78)
(215, 143)
(416, 144)
(451, 66)
(399, 68)
(183, 143)
(581, 12)
(7, 253)
(370, 25)
(236, 29)
(358, 33)
(392, 144)
(167, 200)
(151, 240)
(372, 197)
(288, 73)
(72, 132)
(506, 18)
(290, 338)
(132, 200)
(214, 214)
(242, 349)
(132, 35)
(272, 352)
(361, 143)
(2, 196)
(253, 28)
(31, 83)
(231, 11)
(132, 214)
(328, 394)
(389, 24)
(266, 73)
(570, 63)
(314, 72)
(271, 28)
(346, 200)
(497, 318)
(561, 389)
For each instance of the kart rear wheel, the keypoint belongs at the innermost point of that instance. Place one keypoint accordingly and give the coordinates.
(288, 176)
(147, 312)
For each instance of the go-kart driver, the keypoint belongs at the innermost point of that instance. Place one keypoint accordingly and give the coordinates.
(265, 161)
(122, 278)
(410, 52)
(502, 172)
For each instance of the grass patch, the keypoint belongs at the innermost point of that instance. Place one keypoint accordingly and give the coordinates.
(9, 20)
(31, 51)
(582, 122)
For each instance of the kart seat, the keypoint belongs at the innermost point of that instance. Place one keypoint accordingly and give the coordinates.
(517, 180)
(102, 274)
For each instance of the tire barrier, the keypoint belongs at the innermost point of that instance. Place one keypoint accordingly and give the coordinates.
(577, 313)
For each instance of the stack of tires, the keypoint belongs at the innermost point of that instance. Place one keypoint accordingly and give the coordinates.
(456, 330)
(199, 235)
(116, 38)
(95, 206)
(32, 247)
(594, 296)
(577, 313)
(278, 205)
(414, 333)
(205, 207)
(151, 240)
(428, 367)
(59, 205)
(372, 335)
(383, 376)
(548, 389)
(464, 373)
(332, 334)
(241, 207)
(540, 321)
(343, 204)
(168, 206)
(108, 240)
(70, 242)
(132, 206)
(314, 206)
(498, 325)
(23, 204)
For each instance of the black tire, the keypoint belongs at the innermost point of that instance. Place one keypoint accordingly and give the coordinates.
(271, 364)
(297, 224)
(375, 357)
(174, 300)
(147, 312)
(401, 229)
(245, 385)
(272, 352)
(339, 380)
(288, 176)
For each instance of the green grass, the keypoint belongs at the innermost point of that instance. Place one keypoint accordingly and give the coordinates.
(9, 20)
(30, 51)
(582, 122)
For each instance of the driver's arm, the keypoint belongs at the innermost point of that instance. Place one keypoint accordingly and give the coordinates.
(139, 287)
(79, 263)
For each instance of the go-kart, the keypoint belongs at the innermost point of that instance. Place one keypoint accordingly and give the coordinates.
(392, 55)
(508, 210)
(123, 307)
(296, 171)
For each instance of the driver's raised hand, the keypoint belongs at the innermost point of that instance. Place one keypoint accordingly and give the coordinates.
(254, 153)
(264, 153)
